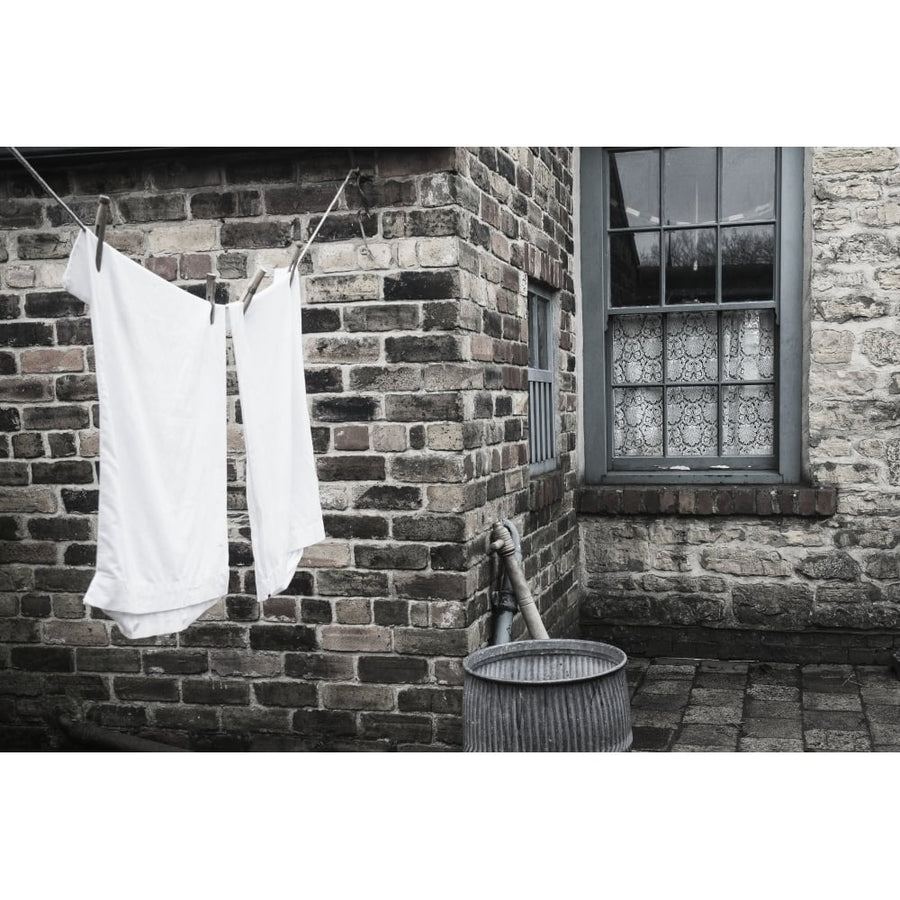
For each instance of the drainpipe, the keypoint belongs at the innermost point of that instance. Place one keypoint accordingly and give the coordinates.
(514, 591)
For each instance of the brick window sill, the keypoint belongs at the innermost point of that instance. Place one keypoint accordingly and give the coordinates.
(763, 500)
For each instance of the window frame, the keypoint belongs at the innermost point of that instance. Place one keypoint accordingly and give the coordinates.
(788, 322)
(545, 376)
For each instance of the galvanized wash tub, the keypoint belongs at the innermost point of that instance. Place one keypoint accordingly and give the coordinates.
(559, 695)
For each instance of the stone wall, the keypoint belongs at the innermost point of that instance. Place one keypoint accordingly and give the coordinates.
(415, 343)
(787, 579)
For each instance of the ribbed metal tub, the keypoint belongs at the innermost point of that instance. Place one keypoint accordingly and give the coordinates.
(556, 695)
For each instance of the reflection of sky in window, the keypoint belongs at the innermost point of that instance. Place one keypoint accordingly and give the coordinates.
(747, 187)
(690, 190)
(748, 183)
(638, 180)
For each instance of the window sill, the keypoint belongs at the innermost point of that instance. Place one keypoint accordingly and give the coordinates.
(751, 500)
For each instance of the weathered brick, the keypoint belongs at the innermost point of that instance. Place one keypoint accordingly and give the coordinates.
(396, 727)
(341, 227)
(357, 696)
(318, 666)
(162, 690)
(429, 467)
(279, 693)
(346, 408)
(382, 317)
(438, 700)
(214, 634)
(153, 208)
(84, 634)
(393, 669)
(47, 418)
(45, 245)
(430, 285)
(319, 319)
(241, 662)
(419, 408)
(343, 288)
(429, 528)
(231, 204)
(31, 499)
(72, 472)
(431, 641)
(390, 497)
(423, 348)
(62, 579)
(376, 556)
(43, 659)
(26, 334)
(360, 638)
(351, 468)
(438, 222)
(330, 723)
(343, 526)
(79, 501)
(215, 691)
(187, 718)
(108, 659)
(346, 582)
(74, 331)
(175, 662)
(282, 637)
(255, 235)
(52, 305)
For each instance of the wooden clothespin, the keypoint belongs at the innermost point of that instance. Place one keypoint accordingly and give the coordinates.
(211, 296)
(295, 259)
(251, 290)
(100, 229)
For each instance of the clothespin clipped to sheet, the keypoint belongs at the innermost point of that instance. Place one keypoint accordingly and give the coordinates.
(251, 290)
(100, 228)
(211, 296)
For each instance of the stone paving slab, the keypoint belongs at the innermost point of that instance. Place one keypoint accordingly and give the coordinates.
(690, 706)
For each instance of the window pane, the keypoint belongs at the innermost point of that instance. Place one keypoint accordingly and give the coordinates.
(692, 351)
(748, 345)
(532, 332)
(748, 183)
(692, 421)
(749, 420)
(634, 269)
(637, 349)
(748, 270)
(637, 427)
(691, 266)
(543, 357)
(690, 186)
(634, 188)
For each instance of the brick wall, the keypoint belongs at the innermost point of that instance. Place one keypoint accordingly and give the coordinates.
(788, 580)
(415, 352)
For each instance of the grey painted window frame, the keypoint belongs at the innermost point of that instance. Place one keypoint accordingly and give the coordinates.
(789, 318)
(536, 413)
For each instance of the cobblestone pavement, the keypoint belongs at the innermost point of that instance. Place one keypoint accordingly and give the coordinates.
(694, 705)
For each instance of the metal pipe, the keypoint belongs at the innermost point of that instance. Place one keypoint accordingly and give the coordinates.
(104, 739)
(504, 599)
(502, 544)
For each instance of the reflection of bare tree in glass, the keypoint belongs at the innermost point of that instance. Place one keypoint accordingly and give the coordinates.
(691, 266)
(692, 248)
(748, 263)
(748, 246)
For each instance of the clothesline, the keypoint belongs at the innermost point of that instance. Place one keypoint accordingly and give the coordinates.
(299, 253)
(34, 174)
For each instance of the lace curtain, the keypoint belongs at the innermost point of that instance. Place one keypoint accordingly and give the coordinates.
(717, 397)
